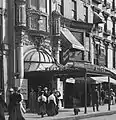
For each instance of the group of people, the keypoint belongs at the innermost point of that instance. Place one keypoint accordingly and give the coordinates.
(15, 107)
(47, 101)
(99, 98)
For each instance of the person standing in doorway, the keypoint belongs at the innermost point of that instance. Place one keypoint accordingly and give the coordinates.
(32, 101)
(95, 99)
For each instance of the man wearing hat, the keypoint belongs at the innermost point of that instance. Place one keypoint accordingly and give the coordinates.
(2, 106)
(95, 99)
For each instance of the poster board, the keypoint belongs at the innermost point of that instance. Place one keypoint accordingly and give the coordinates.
(23, 83)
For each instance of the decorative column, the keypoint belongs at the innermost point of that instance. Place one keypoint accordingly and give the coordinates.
(56, 47)
(20, 27)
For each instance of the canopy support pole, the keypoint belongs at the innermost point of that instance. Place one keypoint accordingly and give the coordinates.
(85, 93)
(109, 93)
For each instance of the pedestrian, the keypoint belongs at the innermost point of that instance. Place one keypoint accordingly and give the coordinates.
(52, 104)
(22, 102)
(57, 95)
(32, 101)
(2, 106)
(112, 97)
(11, 91)
(42, 104)
(46, 92)
(16, 113)
(95, 99)
(39, 89)
(103, 95)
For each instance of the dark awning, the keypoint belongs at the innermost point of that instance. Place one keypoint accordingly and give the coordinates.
(70, 37)
(97, 18)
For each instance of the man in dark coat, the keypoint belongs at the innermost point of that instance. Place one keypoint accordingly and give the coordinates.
(2, 106)
(95, 99)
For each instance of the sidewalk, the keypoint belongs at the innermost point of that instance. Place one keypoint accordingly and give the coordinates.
(67, 114)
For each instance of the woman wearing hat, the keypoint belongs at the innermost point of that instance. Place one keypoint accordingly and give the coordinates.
(42, 104)
(2, 106)
(16, 113)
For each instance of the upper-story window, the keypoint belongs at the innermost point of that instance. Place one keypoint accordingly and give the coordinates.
(113, 28)
(86, 14)
(74, 9)
(38, 5)
(61, 6)
(113, 5)
(43, 5)
(105, 2)
(105, 25)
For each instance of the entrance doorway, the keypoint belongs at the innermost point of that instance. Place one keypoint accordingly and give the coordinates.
(68, 95)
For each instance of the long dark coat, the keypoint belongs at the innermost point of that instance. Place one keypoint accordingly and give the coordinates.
(2, 106)
(95, 97)
(16, 113)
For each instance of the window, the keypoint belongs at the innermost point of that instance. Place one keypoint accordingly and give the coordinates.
(43, 5)
(33, 22)
(86, 14)
(105, 25)
(105, 2)
(32, 4)
(106, 55)
(38, 4)
(114, 57)
(96, 54)
(113, 28)
(43, 23)
(74, 9)
(113, 5)
(61, 6)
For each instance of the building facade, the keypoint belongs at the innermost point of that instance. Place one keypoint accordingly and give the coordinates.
(40, 34)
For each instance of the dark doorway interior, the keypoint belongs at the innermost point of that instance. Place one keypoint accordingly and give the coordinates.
(68, 95)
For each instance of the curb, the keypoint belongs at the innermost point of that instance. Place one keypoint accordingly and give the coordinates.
(88, 115)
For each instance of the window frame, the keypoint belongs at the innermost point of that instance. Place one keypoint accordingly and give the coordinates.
(74, 10)
(86, 14)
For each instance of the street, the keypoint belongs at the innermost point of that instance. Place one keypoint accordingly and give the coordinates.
(109, 117)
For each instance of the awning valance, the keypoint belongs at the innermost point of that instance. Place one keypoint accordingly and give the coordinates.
(97, 18)
(70, 37)
(104, 79)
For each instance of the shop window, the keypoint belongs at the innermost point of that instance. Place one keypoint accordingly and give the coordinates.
(86, 14)
(74, 10)
(61, 6)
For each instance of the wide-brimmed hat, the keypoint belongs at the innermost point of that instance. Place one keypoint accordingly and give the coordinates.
(45, 88)
(11, 89)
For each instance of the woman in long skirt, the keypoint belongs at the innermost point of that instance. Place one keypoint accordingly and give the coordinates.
(42, 104)
(2, 106)
(52, 105)
(16, 113)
